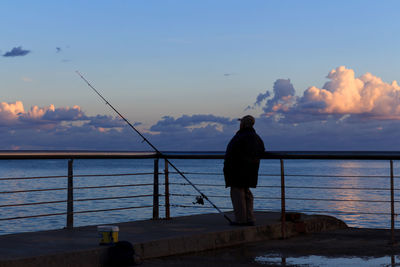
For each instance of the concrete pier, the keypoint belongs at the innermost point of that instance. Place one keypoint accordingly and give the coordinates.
(79, 247)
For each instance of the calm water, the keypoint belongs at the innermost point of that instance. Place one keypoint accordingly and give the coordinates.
(350, 176)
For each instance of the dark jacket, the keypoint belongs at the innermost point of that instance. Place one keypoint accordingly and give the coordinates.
(242, 159)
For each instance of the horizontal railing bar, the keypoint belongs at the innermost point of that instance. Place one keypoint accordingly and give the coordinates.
(192, 173)
(110, 186)
(302, 211)
(195, 184)
(299, 187)
(295, 198)
(204, 207)
(31, 178)
(114, 174)
(328, 187)
(335, 188)
(108, 198)
(64, 188)
(342, 176)
(33, 203)
(200, 173)
(32, 216)
(339, 200)
(339, 212)
(33, 190)
(103, 210)
(214, 173)
(77, 175)
(64, 213)
(307, 175)
(317, 155)
(225, 208)
(296, 175)
(76, 155)
(63, 201)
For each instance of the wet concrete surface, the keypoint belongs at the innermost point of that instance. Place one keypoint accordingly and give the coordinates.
(345, 247)
(152, 238)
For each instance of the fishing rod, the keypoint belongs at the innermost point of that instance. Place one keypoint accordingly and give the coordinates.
(202, 196)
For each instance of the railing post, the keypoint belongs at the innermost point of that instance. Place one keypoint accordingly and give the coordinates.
(155, 191)
(167, 206)
(283, 202)
(70, 195)
(392, 215)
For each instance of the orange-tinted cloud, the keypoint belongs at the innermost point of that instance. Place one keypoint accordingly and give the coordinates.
(346, 94)
(15, 114)
(366, 96)
(10, 111)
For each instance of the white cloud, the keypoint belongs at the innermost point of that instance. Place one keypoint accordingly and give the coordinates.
(10, 111)
(366, 96)
(346, 94)
(14, 115)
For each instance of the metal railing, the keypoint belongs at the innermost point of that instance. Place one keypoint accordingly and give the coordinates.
(70, 156)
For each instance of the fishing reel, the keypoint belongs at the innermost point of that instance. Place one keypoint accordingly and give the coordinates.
(199, 200)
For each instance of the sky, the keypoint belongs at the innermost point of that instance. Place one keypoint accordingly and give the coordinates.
(316, 75)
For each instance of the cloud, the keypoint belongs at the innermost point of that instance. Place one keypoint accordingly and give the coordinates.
(16, 52)
(186, 122)
(62, 128)
(106, 122)
(108, 133)
(49, 117)
(70, 128)
(283, 97)
(329, 135)
(65, 137)
(346, 113)
(14, 115)
(261, 97)
(10, 111)
(366, 97)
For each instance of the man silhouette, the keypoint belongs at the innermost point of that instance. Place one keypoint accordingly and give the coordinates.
(242, 161)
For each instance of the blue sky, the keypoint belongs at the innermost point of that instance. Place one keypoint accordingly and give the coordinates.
(193, 59)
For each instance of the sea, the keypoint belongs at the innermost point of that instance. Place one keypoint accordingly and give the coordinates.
(120, 190)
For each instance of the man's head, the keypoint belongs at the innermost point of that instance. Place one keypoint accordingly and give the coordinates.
(247, 122)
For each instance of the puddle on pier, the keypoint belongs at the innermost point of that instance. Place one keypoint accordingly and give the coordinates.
(319, 261)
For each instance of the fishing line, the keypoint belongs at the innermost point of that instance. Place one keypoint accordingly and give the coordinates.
(202, 196)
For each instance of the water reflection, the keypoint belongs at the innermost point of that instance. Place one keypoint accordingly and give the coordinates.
(361, 189)
(354, 175)
(311, 261)
(349, 164)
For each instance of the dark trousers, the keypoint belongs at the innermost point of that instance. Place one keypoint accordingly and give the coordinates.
(242, 202)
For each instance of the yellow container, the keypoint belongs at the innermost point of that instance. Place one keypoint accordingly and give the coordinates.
(108, 234)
